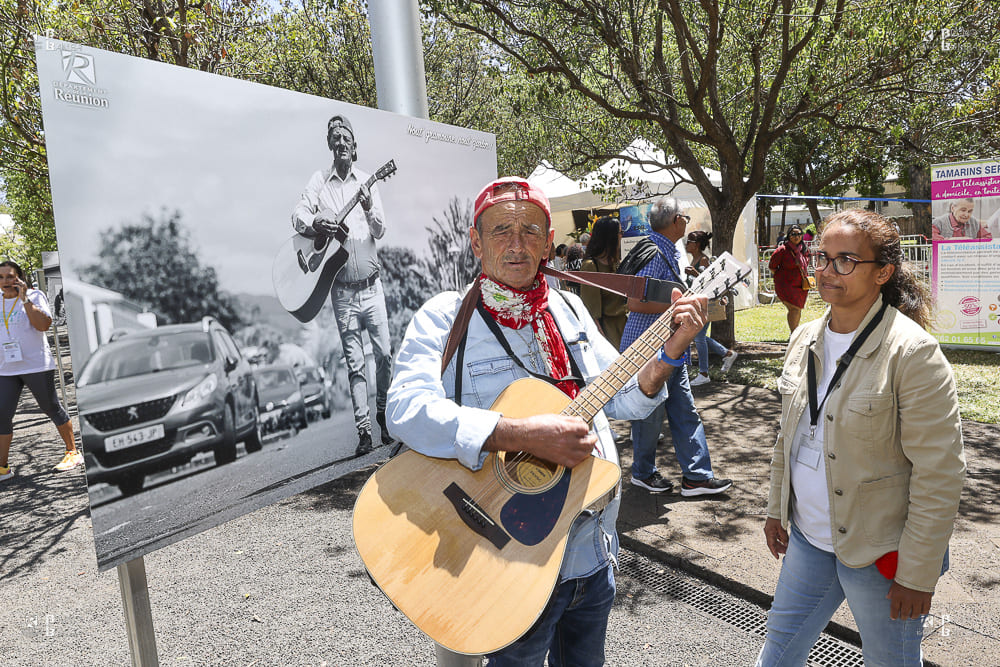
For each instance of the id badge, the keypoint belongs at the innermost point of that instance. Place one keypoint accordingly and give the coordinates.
(11, 351)
(809, 452)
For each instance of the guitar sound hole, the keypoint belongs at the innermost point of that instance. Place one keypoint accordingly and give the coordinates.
(528, 474)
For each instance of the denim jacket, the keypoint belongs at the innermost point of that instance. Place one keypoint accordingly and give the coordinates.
(421, 410)
(893, 442)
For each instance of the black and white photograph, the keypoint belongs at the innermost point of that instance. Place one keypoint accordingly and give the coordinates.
(239, 263)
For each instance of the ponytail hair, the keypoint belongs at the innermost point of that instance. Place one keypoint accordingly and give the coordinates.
(905, 290)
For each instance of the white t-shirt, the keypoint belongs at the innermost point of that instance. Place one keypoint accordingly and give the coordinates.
(811, 504)
(31, 345)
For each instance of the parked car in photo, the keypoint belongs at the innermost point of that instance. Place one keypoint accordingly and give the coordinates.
(280, 401)
(315, 391)
(155, 398)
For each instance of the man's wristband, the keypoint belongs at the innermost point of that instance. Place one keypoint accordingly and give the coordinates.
(662, 356)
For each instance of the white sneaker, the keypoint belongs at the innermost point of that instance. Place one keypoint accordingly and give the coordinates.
(729, 360)
(6, 473)
(700, 380)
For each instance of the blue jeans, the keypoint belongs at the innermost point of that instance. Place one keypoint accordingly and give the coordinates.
(811, 586)
(686, 430)
(358, 310)
(572, 628)
(706, 345)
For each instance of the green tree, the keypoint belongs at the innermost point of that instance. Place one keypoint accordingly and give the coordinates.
(154, 264)
(716, 84)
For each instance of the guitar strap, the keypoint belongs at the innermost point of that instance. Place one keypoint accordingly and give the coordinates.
(642, 288)
(494, 328)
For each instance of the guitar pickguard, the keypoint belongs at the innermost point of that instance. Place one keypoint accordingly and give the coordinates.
(529, 518)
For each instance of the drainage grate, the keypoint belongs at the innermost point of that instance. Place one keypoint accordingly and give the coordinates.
(828, 651)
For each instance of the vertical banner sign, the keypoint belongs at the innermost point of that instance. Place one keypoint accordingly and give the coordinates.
(965, 269)
(239, 263)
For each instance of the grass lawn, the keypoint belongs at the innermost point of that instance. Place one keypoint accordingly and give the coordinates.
(976, 373)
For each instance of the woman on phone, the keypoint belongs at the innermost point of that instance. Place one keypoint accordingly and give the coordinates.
(27, 361)
(789, 266)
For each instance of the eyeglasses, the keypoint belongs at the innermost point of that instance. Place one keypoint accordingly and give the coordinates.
(842, 264)
(687, 218)
(790, 234)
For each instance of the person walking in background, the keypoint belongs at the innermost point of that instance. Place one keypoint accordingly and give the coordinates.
(667, 225)
(357, 295)
(559, 262)
(603, 255)
(697, 243)
(789, 266)
(868, 467)
(574, 260)
(28, 361)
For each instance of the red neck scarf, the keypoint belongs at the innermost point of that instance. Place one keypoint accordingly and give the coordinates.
(515, 309)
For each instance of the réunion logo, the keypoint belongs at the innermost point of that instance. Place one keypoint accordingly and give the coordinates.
(79, 68)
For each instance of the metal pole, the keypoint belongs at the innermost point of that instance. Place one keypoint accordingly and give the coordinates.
(138, 617)
(397, 49)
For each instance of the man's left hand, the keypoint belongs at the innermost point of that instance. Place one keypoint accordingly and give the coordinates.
(365, 198)
(906, 603)
(690, 315)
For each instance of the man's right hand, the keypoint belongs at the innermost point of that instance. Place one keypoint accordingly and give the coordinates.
(559, 439)
(325, 222)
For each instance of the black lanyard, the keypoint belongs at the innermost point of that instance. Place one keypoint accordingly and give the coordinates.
(495, 328)
(815, 405)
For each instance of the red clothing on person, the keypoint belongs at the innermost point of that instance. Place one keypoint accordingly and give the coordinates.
(788, 264)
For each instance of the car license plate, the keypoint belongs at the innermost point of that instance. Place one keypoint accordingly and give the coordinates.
(133, 438)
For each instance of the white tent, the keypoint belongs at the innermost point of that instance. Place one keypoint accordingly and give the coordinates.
(635, 177)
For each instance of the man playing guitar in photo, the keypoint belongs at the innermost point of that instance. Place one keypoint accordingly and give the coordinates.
(357, 296)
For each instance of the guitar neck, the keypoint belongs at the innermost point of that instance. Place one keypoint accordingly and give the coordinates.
(713, 282)
(597, 394)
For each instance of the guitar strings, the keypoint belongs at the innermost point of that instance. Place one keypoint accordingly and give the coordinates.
(636, 355)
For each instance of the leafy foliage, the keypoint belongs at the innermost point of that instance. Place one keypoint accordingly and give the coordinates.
(153, 263)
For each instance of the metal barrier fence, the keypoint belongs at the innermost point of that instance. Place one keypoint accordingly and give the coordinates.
(916, 251)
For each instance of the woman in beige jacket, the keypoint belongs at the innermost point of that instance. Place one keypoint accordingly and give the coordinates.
(868, 468)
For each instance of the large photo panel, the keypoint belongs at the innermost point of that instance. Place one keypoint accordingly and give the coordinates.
(239, 263)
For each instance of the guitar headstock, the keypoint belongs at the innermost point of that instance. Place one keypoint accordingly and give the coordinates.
(720, 277)
(386, 170)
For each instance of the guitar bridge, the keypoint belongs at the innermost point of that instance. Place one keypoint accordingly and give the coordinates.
(475, 517)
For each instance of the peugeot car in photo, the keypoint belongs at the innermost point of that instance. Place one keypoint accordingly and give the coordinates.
(153, 399)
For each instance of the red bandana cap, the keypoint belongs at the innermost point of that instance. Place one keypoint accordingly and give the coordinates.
(512, 188)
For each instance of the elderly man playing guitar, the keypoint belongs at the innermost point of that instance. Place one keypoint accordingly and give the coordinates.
(357, 296)
(523, 328)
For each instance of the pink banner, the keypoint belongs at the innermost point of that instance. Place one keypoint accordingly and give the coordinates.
(966, 187)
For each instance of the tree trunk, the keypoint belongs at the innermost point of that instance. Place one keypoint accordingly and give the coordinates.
(813, 205)
(920, 188)
(723, 231)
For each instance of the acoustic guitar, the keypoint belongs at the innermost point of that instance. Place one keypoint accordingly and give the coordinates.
(471, 558)
(305, 267)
